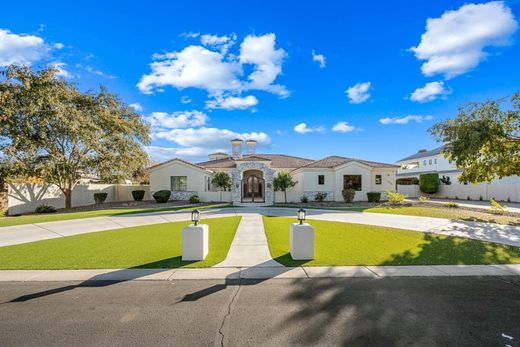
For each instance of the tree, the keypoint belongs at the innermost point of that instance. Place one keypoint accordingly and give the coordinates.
(222, 181)
(55, 132)
(483, 140)
(283, 181)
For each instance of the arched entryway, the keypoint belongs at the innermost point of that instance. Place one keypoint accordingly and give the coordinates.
(253, 186)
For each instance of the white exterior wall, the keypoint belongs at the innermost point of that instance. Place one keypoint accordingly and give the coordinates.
(353, 169)
(24, 198)
(160, 177)
(442, 164)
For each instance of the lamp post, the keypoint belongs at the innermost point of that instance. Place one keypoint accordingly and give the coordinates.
(195, 216)
(301, 215)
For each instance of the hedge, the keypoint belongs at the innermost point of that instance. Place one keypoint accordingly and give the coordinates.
(374, 196)
(162, 196)
(138, 195)
(429, 183)
(100, 198)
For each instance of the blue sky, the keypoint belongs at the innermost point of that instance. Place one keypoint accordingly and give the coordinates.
(205, 72)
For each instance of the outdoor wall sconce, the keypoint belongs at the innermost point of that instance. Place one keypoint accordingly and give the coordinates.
(301, 215)
(195, 216)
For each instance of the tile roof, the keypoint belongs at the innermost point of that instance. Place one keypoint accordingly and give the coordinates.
(277, 161)
(333, 161)
(423, 154)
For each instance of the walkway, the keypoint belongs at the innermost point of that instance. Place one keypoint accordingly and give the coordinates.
(476, 230)
(249, 247)
(477, 204)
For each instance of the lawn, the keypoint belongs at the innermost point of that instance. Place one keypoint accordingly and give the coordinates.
(356, 244)
(149, 246)
(52, 217)
(446, 212)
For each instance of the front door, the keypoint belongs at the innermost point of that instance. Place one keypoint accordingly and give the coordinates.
(253, 189)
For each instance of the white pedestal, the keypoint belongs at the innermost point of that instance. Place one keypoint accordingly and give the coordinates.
(302, 241)
(195, 242)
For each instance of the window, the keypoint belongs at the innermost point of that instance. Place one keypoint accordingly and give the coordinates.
(379, 179)
(430, 162)
(435, 161)
(321, 179)
(179, 183)
(352, 181)
(424, 162)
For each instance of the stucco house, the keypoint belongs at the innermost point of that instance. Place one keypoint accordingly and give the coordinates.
(252, 176)
(433, 161)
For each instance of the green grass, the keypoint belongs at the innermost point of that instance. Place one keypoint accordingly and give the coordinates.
(355, 244)
(445, 212)
(52, 217)
(150, 246)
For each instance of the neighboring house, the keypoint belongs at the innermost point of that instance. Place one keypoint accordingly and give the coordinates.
(252, 176)
(507, 188)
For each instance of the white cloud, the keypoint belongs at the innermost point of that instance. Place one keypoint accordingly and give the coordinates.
(343, 127)
(185, 99)
(59, 45)
(232, 102)
(219, 72)
(454, 43)
(209, 138)
(220, 42)
(60, 70)
(189, 35)
(137, 107)
(430, 92)
(359, 93)
(302, 128)
(21, 49)
(91, 70)
(194, 66)
(260, 51)
(405, 120)
(320, 58)
(161, 121)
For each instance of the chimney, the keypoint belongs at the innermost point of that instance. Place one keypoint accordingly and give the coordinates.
(236, 146)
(251, 146)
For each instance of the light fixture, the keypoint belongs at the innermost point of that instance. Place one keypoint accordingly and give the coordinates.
(195, 216)
(301, 215)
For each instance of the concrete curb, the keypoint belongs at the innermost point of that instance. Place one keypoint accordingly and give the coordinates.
(260, 273)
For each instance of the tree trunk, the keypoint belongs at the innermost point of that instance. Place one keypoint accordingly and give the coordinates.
(68, 197)
(285, 195)
(220, 194)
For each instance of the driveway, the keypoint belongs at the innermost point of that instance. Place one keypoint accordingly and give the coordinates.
(476, 230)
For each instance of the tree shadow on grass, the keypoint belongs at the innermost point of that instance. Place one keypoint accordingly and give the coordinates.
(443, 250)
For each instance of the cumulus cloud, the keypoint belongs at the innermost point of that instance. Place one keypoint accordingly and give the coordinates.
(232, 102)
(343, 127)
(302, 128)
(161, 121)
(359, 93)
(405, 120)
(454, 43)
(220, 42)
(320, 58)
(60, 70)
(137, 107)
(209, 138)
(21, 49)
(430, 92)
(219, 72)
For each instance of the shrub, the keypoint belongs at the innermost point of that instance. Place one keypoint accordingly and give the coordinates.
(469, 198)
(320, 196)
(43, 208)
(304, 199)
(424, 198)
(162, 196)
(138, 195)
(348, 194)
(445, 180)
(374, 196)
(194, 199)
(429, 183)
(396, 198)
(100, 198)
(452, 205)
(480, 198)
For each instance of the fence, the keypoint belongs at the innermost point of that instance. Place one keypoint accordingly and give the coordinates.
(24, 198)
(484, 191)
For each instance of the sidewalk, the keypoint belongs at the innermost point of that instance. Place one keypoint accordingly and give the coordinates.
(258, 273)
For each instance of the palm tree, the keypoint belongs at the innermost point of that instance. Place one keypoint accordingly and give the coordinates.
(284, 181)
(222, 181)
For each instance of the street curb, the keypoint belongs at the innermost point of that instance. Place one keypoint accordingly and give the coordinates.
(260, 273)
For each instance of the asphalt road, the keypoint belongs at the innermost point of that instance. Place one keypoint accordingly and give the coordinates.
(434, 311)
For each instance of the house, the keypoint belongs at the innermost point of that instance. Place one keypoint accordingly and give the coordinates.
(433, 161)
(252, 176)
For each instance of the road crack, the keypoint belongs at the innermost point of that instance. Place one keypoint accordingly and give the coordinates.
(228, 313)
